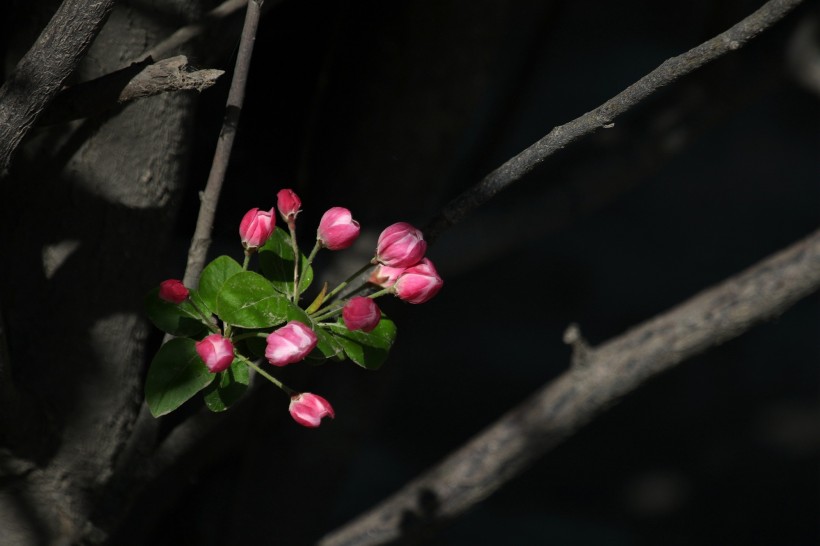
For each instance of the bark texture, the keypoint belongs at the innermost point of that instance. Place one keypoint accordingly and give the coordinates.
(105, 191)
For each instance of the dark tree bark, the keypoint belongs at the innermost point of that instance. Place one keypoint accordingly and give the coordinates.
(105, 190)
(397, 111)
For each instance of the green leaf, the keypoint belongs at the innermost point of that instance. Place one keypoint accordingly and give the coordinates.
(228, 388)
(213, 278)
(176, 319)
(176, 374)
(368, 350)
(276, 263)
(248, 300)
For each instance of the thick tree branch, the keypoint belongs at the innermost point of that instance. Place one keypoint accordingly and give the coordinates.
(507, 447)
(134, 82)
(669, 71)
(41, 72)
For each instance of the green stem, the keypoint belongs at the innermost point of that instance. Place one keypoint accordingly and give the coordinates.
(313, 253)
(292, 229)
(266, 375)
(247, 261)
(380, 293)
(208, 320)
(249, 335)
(347, 281)
(328, 313)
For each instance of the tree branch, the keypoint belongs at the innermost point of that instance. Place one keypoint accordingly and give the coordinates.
(201, 241)
(137, 81)
(507, 447)
(187, 33)
(668, 72)
(41, 72)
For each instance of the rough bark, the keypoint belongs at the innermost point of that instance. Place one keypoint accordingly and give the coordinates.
(106, 191)
(42, 71)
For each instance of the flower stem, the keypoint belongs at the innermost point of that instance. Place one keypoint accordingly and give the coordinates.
(292, 229)
(350, 279)
(249, 335)
(208, 320)
(327, 313)
(380, 293)
(313, 253)
(246, 261)
(266, 375)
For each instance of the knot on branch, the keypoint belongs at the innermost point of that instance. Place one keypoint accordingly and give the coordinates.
(580, 347)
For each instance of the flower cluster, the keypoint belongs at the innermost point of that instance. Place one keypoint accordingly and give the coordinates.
(221, 324)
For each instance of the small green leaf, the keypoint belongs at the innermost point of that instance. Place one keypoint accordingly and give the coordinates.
(213, 278)
(176, 319)
(248, 300)
(368, 350)
(176, 374)
(276, 263)
(228, 388)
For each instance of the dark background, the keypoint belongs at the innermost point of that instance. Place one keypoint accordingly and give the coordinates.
(391, 109)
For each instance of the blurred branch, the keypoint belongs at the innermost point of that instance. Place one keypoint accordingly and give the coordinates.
(187, 33)
(507, 447)
(134, 82)
(41, 72)
(201, 241)
(603, 116)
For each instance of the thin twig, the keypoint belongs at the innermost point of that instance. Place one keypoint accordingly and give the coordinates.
(185, 34)
(41, 72)
(128, 84)
(207, 210)
(507, 447)
(559, 137)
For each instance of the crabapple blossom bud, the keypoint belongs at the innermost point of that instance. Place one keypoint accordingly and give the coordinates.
(173, 291)
(385, 276)
(288, 204)
(308, 409)
(290, 343)
(361, 313)
(419, 283)
(256, 228)
(337, 229)
(216, 351)
(400, 245)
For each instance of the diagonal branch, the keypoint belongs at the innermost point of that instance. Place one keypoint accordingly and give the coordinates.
(43, 69)
(516, 440)
(669, 71)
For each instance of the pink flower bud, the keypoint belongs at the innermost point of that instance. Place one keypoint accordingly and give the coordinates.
(337, 229)
(288, 204)
(216, 351)
(290, 343)
(361, 313)
(308, 409)
(400, 245)
(419, 283)
(173, 291)
(256, 228)
(385, 276)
